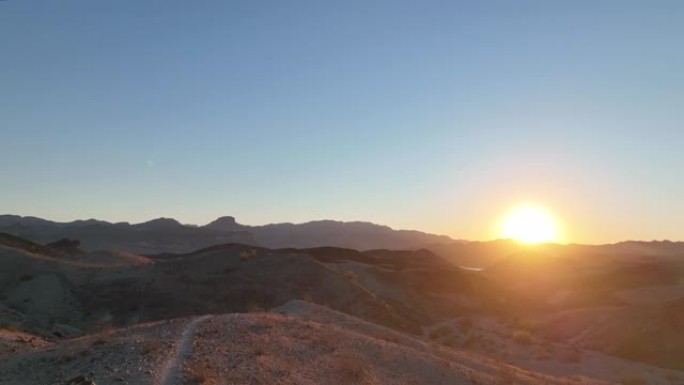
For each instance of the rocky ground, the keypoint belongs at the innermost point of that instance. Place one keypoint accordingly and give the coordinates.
(337, 316)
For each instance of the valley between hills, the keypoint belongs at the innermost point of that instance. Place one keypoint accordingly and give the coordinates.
(92, 302)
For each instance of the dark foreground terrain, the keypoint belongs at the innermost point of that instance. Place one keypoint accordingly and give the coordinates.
(243, 314)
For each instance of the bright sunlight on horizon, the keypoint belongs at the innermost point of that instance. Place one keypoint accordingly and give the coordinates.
(530, 224)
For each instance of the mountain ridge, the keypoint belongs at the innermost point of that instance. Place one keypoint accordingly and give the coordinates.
(169, 235)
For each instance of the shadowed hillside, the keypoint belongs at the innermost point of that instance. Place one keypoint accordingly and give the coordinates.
(549, 303)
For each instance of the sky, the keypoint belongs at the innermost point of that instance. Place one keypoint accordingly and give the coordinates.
(438, 116)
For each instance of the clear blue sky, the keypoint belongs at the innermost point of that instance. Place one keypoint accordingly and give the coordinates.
(430, 115)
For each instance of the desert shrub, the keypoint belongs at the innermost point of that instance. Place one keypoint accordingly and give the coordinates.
(103, 334)
(247, 254)
(351, 275)
(308, 297)
(450, 341)
(442, 331)
(351, 370)
(197, 374)
(25, 277)
(151, 346)
(254, 307)
(72, 351)
(10, 327)
(522, 337)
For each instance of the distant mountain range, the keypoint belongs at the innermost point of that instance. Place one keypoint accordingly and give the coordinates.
(168, 235)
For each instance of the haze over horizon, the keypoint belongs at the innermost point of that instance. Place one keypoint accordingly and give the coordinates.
(435, 116)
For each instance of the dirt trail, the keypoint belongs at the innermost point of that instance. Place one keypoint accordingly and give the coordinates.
(171, 370)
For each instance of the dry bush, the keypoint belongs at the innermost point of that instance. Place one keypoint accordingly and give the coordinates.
(308, 297)
(254, 307)
(352, 370)
(351, 275)
(151, 346)
(450, 341)
(103, 334)
(247, 254)
(522, 337)
(197, 374)
(25, 277)
(442, 331)
(10, 327)
(72, 351)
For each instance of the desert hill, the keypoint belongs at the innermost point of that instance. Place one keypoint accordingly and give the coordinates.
(552, 311)
(298, 343)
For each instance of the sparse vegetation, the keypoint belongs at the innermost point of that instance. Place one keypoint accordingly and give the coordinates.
(198, 374)
(25, 277)
(103, 334)
(442, 331)
(351, 370)
(10, 327)
(308, 297)
(351, 275)
(254, 307)
(247, 254)
(264, 281)
(522, 337)
(151, 346)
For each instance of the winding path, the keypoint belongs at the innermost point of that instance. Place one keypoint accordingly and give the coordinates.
(171, 370)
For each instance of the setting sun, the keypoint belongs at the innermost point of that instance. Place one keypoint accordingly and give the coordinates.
(529, 224)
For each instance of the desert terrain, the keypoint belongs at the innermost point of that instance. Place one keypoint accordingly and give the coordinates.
(270, 311)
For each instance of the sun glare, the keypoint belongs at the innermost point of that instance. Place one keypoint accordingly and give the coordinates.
(529, 224)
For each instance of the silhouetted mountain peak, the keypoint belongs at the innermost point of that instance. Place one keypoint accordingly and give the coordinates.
(159, 223)
(226, 223)
(87, 222)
